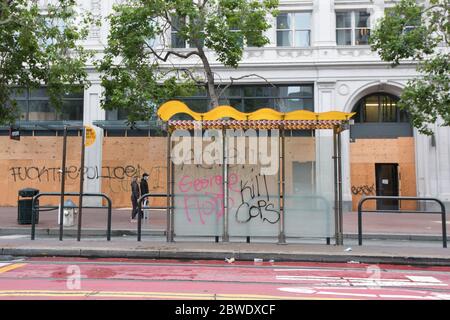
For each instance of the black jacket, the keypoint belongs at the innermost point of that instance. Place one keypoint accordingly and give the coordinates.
(144, 186)
(135, 189)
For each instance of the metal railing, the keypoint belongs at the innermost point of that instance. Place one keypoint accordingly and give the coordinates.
(442, 213)
(35, 208)
(140, 208)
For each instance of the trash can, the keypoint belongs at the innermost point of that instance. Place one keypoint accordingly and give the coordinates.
(24, 209)
(70, 214)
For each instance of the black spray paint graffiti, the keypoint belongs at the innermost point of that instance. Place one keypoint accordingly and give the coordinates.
(115, 184)
(262, 207)
(363, 190)
(250, 194)
(117, 178)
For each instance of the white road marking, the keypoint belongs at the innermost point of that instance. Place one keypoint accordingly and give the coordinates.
(398, 284)
(441, 296)
(307, 278)
(321, 270)
(343, 281)
(348, 294)
(298, 290)
(4, 264)
(399, 296)
(423, 279)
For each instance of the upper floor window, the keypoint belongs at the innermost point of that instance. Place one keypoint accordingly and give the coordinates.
(285, 98)
(379, 107)
(352, 28)
(177, 41)
(34, 104)
(294, 29)
(154, 41)
(410, 24)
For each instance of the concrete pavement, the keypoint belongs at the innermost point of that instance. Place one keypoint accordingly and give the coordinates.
(378, 225)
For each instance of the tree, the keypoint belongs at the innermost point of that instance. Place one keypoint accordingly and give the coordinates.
(421, 33)
(40, 47)
(140, 68)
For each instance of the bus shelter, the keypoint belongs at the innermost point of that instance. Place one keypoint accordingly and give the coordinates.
(259, 174)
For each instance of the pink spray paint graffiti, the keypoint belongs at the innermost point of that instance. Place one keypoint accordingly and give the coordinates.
(204, 196)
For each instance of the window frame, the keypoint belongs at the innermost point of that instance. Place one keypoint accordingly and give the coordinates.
(187, 44)
(174, 32)
(293, 30)
(238, 95)
(401, 116)
(27, 97)
(353, 28)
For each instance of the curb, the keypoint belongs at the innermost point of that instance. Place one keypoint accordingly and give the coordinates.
(222, 254)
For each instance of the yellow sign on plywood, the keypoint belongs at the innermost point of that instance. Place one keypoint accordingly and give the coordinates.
(90, 136)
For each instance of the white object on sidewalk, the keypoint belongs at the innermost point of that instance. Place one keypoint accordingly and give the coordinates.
(70, 214)
(146, 211)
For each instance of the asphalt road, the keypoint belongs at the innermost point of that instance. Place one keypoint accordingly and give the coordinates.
(75, 278)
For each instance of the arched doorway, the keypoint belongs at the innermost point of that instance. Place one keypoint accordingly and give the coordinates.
(382, 157)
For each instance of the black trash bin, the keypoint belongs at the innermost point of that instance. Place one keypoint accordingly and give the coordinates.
(24, 209)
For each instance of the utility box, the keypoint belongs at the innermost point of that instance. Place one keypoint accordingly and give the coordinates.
(24, 208)
(70, 214)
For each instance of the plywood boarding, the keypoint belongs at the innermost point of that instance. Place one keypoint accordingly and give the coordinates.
(124, 158)
(365, 153)
(34, 162)
(298, 149)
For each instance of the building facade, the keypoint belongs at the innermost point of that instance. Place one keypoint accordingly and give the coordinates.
(318, 59)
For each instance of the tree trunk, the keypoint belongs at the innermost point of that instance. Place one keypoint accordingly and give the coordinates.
(209, 78)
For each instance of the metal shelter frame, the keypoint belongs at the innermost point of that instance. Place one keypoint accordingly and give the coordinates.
(219, 118)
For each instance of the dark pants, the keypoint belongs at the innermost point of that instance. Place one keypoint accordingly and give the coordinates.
(134, 202)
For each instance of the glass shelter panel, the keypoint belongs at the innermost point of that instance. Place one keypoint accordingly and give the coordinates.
(198, 191)
(309, 187)
(253, 198)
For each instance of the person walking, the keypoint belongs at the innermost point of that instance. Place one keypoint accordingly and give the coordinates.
(135, 194)
(144, 184)
(144, 190)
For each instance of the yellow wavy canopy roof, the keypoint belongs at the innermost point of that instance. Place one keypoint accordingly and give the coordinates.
(171, 108)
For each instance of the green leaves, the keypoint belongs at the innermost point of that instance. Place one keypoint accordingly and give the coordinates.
(40, 48)
(402, 34)
(139, 72)
(410, 31)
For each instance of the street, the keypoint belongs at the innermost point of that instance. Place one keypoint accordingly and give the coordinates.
(78, 278)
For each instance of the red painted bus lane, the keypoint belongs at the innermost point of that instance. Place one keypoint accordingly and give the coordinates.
(58, 278)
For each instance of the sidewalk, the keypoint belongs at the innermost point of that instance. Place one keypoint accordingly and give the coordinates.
(14, 240)
(94, 222)
(381, 225)
(219, 251)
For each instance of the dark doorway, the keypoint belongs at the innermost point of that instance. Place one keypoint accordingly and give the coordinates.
(387, 184)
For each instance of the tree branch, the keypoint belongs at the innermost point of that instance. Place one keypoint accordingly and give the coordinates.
(242, 77)
(170, 52)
